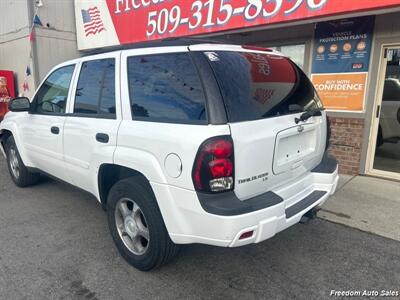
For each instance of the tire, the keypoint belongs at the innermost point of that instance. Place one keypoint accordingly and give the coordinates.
(20, 174)
(132, 200)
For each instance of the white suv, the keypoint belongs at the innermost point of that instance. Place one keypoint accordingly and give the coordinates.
(180, 141)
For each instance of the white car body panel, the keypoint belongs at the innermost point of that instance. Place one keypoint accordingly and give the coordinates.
(9, 123)
(251, 142)
(190, 224)
(153, 142)
(44, 149)
(83, 155)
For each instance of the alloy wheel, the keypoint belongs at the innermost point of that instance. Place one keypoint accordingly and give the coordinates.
(132, 226)
(14, 163)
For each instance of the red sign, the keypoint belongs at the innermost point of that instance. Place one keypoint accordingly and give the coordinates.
(131, 21)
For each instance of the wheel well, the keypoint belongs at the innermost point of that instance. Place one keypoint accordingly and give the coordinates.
(4, 135)
(110, 174)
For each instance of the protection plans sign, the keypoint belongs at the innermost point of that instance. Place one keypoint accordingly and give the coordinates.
(341, 57)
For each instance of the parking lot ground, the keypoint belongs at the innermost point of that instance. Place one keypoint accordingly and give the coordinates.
(55, 244)
(367, 203)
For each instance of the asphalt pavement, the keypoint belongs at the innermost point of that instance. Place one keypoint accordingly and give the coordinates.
(55, 244)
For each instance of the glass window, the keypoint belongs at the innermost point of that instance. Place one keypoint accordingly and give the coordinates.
(53, 94)
(165, 88)
(294, 52)
(95, 93)
(257, 86)
(391, 91)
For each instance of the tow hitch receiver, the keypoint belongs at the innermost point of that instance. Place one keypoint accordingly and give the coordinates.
(308, 216)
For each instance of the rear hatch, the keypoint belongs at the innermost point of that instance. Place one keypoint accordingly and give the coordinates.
(264, 93)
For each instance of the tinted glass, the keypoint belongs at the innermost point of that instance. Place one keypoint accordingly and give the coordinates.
(95, 93)
(165, 88)
(52, 95)
(257, 86)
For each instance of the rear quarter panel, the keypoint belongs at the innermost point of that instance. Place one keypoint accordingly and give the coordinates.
(144, 146)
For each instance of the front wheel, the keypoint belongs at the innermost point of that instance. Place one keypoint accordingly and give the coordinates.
(20, 174)
(137, 226)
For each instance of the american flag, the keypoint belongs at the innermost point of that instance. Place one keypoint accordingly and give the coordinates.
(91, 21)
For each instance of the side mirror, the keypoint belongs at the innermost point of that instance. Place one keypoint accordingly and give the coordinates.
(19, 104)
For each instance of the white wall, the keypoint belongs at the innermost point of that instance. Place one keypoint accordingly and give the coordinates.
(57, 41)
(14, 17)
(53, 44)
(14, 42)
(14, 56)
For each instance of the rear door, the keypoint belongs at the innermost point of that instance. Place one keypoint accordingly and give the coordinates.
(90, 130)
(264, 93)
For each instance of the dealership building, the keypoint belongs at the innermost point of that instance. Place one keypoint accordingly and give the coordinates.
(350, 50)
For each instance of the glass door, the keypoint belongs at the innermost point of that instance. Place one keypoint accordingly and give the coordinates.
(386, 159)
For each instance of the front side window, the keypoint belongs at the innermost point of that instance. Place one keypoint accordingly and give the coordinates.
(165, 88)
(53, 93)
(257, 86)
(95, 92)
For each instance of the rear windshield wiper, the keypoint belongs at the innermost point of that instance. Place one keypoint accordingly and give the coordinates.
(308, 114)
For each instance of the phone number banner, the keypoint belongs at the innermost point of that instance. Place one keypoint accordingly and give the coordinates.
(116, 22)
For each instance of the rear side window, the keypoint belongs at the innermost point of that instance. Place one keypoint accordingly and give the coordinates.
(257, 86)
(166, 88)
(95, 93)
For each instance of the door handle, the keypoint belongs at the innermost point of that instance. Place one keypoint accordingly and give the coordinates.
(378, 111)
(55, 130)
(102, 138)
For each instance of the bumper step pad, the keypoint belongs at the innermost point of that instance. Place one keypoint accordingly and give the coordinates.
(304, 203)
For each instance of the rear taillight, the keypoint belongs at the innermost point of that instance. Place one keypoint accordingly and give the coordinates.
(213, 169)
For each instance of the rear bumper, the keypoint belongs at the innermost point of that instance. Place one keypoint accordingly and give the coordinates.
(188, 221)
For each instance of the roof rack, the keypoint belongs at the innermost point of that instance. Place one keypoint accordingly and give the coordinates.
(181, 41)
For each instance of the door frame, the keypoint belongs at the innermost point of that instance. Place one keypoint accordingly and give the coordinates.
(376, 118)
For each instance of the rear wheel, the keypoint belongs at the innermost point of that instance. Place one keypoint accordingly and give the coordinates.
(136, 225)
(20, 174)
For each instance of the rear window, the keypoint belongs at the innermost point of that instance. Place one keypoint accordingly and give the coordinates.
(166, 88)
(257, 86)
